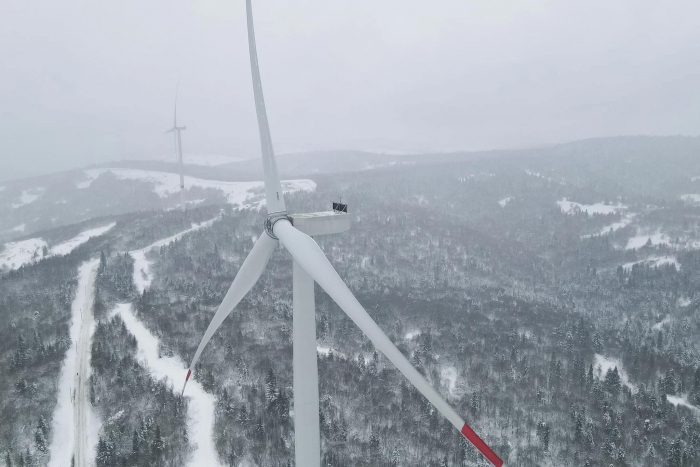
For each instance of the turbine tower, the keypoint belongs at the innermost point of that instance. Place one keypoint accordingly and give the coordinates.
(311, 265)
(178, 149)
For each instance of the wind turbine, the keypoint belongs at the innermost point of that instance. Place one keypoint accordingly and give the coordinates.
(178, 149)
(309, 265)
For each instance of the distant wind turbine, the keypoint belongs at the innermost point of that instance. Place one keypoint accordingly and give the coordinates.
(311, 265)
(178, 149)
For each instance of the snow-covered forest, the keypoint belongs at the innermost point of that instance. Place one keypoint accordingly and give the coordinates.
(549, 295)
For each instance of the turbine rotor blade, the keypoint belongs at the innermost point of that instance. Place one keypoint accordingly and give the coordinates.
(307, 253)
(247, 276)
(273, 189)
(177, 89)
(169, 131)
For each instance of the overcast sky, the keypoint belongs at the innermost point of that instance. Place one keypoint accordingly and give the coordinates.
(88, 81)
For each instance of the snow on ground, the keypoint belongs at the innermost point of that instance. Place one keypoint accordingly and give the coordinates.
(22, 252)
(165, 184)
(325, 351)
(70, 245)
(694, 179)
(142, 266)
(505, 201)
(683, 301)
(693, 198)
(411, 335)
(655, 261)
(115, 417)
(75, 425)
(448, 377)
(19, 228)
(602, 364)
(682, 400)
(570, 207)
(662, 323)
(29, 196)
(626, 220)
(201, 404)
(640, 240)
(543, 177)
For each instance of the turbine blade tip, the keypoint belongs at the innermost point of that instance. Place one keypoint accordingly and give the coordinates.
(187, 378)
(481, 446)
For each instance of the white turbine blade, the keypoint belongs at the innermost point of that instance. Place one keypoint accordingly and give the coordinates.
(247, 276)
(273, 188)
(177, 89)
(307, 253)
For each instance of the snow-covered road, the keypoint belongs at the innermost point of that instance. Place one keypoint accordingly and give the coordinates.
(201, 404)
(75, 425)
(142, 267)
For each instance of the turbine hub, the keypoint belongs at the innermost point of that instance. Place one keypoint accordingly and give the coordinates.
(271, 220)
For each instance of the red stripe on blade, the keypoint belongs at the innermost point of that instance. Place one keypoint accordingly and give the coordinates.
(481, 446)
(189, 372)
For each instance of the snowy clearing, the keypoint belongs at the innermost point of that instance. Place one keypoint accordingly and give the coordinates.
(142, 266)
(683, 301)
(448, 377)
(692, 198)
(28, 197)
(75, 425)
(602, 364)
(570, 207)
(19, 253)
(662, 323)
(640, 240)
(682, 400)
(505, 201)
(201, 404)
(19, 228)
(70, 245)
(325, 351)
(23, 252)
(614, 226)
(411, 335)
(165, 184)
(655, 261)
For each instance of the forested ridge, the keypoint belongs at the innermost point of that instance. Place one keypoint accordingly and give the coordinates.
(559, 343)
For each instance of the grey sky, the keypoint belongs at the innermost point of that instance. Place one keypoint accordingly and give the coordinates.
(83, 82)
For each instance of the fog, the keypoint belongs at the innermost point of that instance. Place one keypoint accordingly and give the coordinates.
(85, 82)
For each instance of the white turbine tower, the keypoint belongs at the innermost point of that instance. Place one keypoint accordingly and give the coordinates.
(310, 264)
(178, 150)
